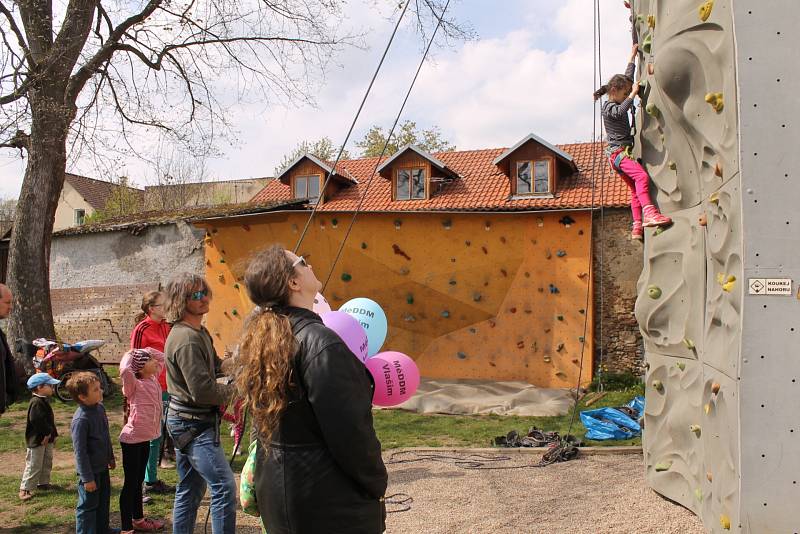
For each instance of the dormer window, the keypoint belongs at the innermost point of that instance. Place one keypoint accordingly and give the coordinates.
(410, 184)
(533, 177)
(306, 187)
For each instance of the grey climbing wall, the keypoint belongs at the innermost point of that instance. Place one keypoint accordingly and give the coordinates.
(717, 133)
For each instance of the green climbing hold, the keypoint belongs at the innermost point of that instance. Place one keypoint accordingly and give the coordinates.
(334, 222)
(235, 286)
(581, 339)
(663, 466)
(410, 298)
(659, 230)
(647, 43)
(560, 317)
(652, 110)
(689, 343)
(698, 494)
(222, 260)
(234, 312)
(346, 277)
(681, 366)
(363, 246)
(654, 292)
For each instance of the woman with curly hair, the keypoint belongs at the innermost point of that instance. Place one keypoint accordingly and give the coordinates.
(318, 460)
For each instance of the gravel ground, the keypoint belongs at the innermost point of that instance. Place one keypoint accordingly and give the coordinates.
(599, 494)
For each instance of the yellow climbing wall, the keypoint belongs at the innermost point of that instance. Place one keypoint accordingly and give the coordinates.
(490, 296)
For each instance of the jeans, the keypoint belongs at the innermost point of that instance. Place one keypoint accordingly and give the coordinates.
(91, 514)
(202, 463)
(134, 459)
(637, 180)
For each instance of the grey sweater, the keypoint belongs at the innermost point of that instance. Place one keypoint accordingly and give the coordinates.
(91, 441)
(616, 120)
(193, 367)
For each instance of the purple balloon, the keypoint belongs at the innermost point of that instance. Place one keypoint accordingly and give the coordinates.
(351, 332)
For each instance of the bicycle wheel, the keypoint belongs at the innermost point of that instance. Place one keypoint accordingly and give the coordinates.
(61, 389)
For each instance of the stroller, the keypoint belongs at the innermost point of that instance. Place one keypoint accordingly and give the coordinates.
(61, 360)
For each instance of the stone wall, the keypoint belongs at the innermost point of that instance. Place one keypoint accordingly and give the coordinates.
(617, 265)
(103, 312)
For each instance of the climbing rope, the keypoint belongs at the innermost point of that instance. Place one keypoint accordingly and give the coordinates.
(352, 126)
(440, 19)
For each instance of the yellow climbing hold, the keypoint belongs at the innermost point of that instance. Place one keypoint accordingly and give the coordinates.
(695, 429)
(689, 343)
(727, 282)
(658, 385)
(705, 10)
(663, 466)
(707, 408)
(681, 365)
(698, 493)
(716, 100)
(651, 21)
(672, 166)
(714, 198)
(725, 522)
(652, 110)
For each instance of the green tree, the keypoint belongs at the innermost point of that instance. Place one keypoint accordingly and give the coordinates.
(429, 140)
(123, 200)
(323, 148)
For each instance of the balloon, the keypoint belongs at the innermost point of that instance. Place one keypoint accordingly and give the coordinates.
(321, 305)
(349, 330)
(372, 319)
(396, 378)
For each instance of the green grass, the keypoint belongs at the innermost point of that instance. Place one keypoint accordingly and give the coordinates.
(55, 511)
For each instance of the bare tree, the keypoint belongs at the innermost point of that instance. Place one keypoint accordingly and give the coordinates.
(89, 75)
(178, 180)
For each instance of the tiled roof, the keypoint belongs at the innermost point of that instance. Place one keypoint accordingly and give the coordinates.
(96, 192)
(482, 186)
(137, 222)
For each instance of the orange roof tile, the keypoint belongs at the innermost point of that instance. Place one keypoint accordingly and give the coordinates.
(482, 186)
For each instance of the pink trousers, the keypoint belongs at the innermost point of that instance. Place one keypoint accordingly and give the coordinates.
(636, 178)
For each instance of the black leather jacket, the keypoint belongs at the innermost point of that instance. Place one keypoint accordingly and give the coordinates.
(323, 471)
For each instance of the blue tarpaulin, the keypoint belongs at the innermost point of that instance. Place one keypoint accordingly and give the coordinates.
(609, 423)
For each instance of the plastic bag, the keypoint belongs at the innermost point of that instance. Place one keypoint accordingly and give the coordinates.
(608, 423)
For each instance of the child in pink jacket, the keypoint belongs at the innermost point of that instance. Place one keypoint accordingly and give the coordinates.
(139, 370)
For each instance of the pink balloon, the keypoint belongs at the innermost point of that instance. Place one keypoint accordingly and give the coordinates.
(321, 305)
(396, 377)
(350, 330)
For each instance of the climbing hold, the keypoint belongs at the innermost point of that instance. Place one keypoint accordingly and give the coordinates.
(512, 309)
(346, 277)
(528, 311)
(221, 278)
(707, 408)
(234, 312)
(540, 290)
(562, 375)
(727, 282)
(695, 429)
(217, 334)
(652, 110)
(502, 239)
(651, 69)
(561, 253)
(718, 169)
(651, 21)
(581, 339)
(716, 100)
(363, 246)
(580, 232)
(725, 522)
(397, 250)
(672, 166)
(566, 220)
(461, 356)
(705, 10)
(647, 43)
(503, 272)
(715, 388)
(575, 360)
(214, 230)
(698, 493)
(468, 243)
(235, 286)
(546, 330)
(410, 299)
(547, 359)
(222, 260)
(659, 230)
(492, 324)
(445, 314)
(409, 318)
(581, 311)
(485, 250)
(334, 222)
(663, 466)
(397, 224)
(520, 344)
(702, 220)
(559, 317)
(452, 282)
(547, 254)
(560, 347)
(473, 331)
(714, 198)
(647, 365)
(246, 227)
(658, 385)
(553, 289)
(681, 365)
(208, 241)
(654, 292)
(487, 226)
(447, 223)
(539, 222)
(527, 274)
(322, 224)
(476, 297)
(709, 476)
(404, 270)
(689, 343)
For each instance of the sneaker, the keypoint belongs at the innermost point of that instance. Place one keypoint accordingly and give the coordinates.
(25, 495)
(147, 525)
(637, 232)
(146, 499)
(652, 217)
(158, 487)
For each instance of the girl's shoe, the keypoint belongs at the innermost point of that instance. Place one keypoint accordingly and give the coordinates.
(652, 217)
(637, 232)
(147, 525)
(25, 495)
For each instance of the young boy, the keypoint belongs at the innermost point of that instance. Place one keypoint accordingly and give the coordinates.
(93, 454)
(40, 433)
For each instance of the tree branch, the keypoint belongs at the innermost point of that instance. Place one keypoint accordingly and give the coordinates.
(20, 140)
(20, 38)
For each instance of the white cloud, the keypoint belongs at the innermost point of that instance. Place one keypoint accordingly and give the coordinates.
(536, 76)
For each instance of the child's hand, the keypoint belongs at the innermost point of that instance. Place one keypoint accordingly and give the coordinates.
(46, 440)
(634, 90)
(91, 487)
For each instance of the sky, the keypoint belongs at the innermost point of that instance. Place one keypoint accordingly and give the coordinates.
(529, 70)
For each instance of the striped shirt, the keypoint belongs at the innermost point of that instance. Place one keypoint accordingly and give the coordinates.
(616, 119)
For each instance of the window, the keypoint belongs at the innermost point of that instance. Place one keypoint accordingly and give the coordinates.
(536, 180)
(306, 187)
(410, 184)
(80, 217)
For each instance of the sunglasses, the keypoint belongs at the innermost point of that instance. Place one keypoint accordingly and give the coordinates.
(300, 261)
(198, 295)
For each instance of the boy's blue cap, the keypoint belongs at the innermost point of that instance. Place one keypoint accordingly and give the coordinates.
(41, 378)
